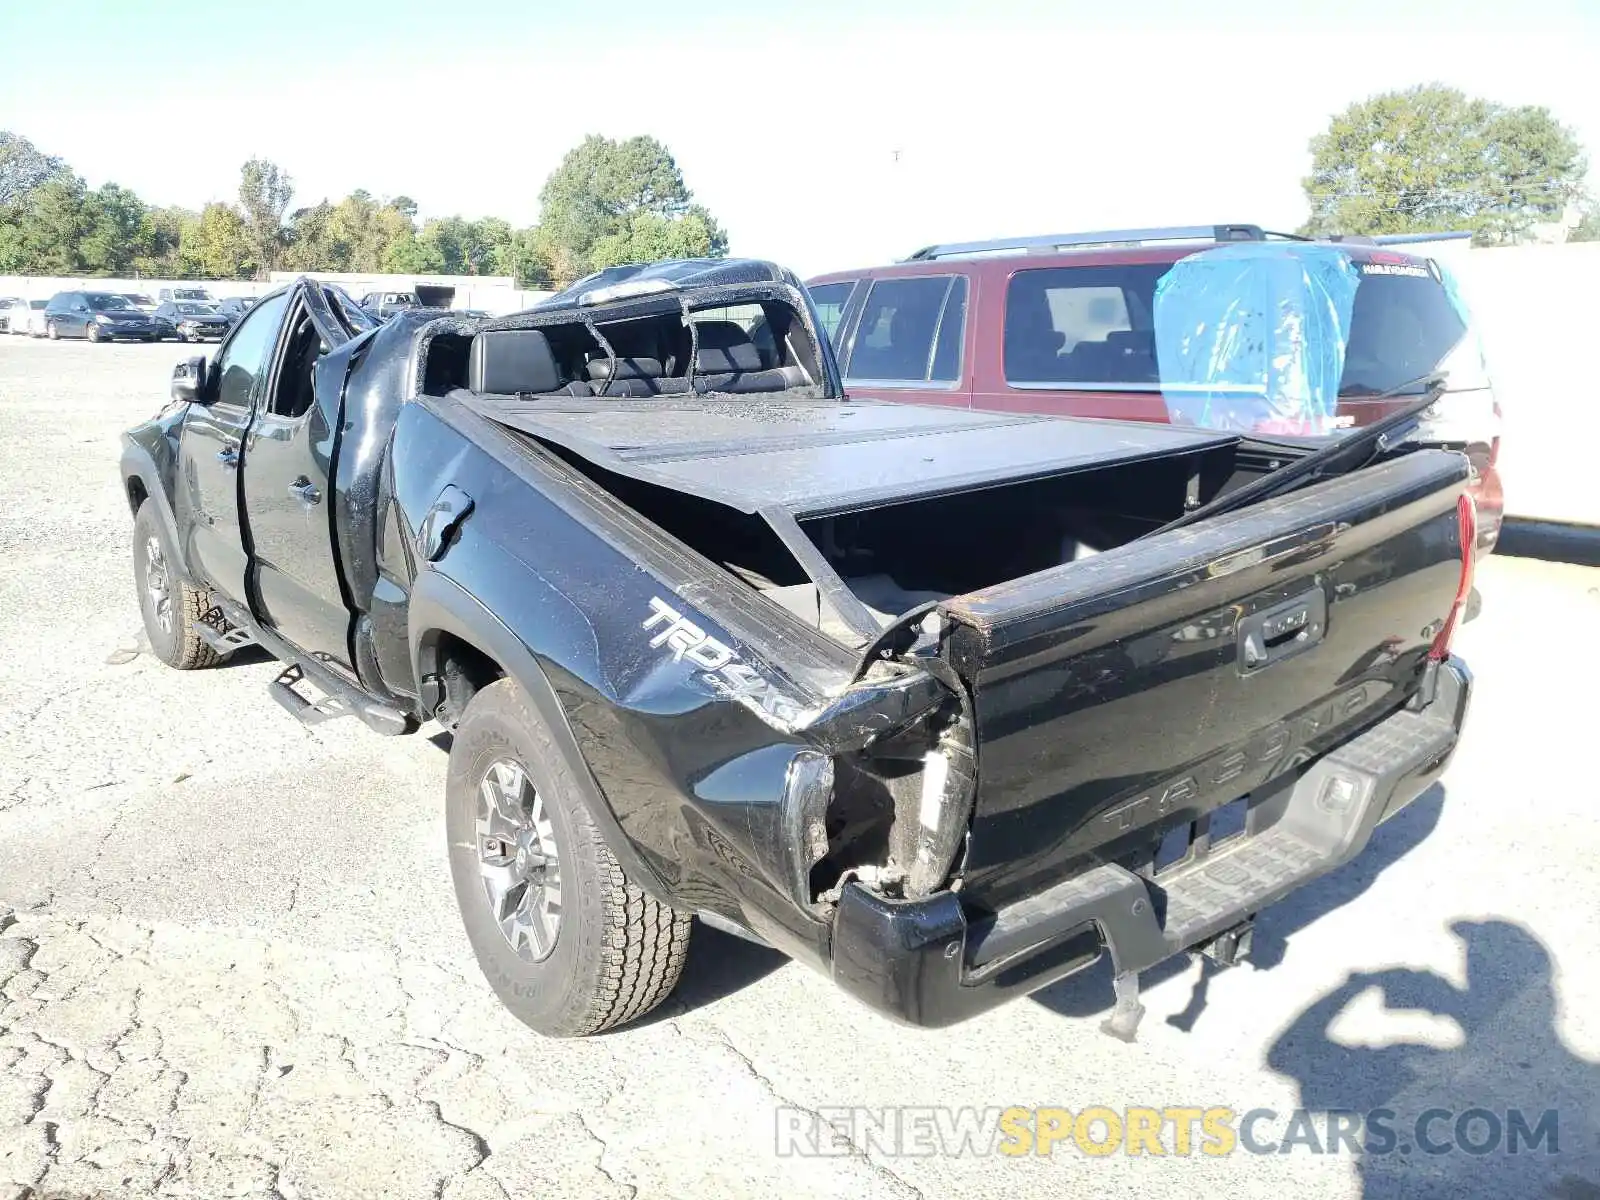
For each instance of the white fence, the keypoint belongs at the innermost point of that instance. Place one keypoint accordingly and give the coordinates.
(1538, 309)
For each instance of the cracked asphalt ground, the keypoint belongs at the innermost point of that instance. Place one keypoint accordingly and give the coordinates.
(235, 967)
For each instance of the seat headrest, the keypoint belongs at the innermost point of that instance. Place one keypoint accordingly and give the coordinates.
(627, 368)
(508, 361)
(726, 347)
(1132, 341)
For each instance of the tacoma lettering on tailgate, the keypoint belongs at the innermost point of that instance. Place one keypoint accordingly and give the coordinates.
(1266, 755)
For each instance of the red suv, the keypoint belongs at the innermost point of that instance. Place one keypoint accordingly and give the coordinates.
(1260, 332)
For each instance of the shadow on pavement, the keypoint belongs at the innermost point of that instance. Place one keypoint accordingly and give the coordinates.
(1578, 544)
(1510, 1059)
(245, 656)
(1089, 994)
(719, 965)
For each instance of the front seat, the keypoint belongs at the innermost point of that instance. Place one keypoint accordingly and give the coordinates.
(1033, 343)
(517, 362)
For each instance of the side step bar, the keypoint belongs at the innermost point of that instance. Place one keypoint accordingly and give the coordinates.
(222, 635)
(339, 698)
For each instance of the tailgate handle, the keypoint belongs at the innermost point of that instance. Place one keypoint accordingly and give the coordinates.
(1285, 629)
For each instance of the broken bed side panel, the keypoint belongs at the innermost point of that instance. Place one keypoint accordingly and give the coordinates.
(684, 707)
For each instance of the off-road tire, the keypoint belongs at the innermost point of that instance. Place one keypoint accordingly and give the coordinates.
(618, 952)
(180, 647)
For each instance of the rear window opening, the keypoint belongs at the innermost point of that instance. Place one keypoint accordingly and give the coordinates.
(747, 348)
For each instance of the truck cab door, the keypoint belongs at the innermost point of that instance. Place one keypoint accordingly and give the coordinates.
(288, 473)
(207, 495)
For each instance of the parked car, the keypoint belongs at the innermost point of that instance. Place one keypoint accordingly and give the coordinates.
(234, 307)
(11, 307)
(916, 695)
(32, 321)
(198, 294)
(384, 305)
(192, 321)
(1068, 325)
(100, 317)
(139, 300)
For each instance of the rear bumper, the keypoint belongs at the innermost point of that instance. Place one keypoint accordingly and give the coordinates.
(926, 963)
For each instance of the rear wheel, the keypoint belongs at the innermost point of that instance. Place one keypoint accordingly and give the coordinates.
(51, 332)
(568, 943)
(92, 331)
(171, 606)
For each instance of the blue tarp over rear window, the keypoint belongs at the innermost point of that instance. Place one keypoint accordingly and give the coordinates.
(1252, 337)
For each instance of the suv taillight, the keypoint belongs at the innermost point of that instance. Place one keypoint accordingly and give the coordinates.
(1467, 519)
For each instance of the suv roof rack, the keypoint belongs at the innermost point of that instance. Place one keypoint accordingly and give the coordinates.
(1045, 243)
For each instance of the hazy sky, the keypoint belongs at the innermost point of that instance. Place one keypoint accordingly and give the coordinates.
(851, 134)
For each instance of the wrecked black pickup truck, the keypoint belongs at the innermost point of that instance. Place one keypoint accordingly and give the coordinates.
(947, 704)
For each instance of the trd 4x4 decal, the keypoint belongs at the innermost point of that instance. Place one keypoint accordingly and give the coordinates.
(718, 664)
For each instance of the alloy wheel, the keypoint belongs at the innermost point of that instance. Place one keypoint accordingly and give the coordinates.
(158, 584)
(518, 860)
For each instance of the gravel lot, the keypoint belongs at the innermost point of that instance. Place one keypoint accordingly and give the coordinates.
(235, 966)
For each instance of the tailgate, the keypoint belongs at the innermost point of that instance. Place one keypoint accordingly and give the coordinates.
(1125, 695)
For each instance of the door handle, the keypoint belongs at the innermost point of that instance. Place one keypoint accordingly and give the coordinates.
(228, 456)
(305, 491)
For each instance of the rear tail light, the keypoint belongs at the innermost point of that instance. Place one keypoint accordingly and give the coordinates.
(1467, 520)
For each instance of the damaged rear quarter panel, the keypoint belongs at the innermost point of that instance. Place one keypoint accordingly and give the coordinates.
(686, 724)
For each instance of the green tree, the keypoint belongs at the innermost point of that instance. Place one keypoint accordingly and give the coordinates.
(1587, 229)
(595, 196)
(313, 241)
(115, 233)
(264, 192)
(160, 236)
(217, 245)
(1432, 158)
(649, 237)
(11, 255)
(365, 230)
(50, 227)
(466, 247)
(523, 257)
(24, 167)
(410, 254)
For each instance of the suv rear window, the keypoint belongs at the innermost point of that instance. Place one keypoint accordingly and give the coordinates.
(1401, 328)
(910, 331)
(1093, 328)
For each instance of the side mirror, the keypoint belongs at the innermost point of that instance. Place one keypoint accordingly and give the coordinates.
(189, 380)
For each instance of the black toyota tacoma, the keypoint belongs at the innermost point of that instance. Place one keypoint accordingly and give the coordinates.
(945, 703)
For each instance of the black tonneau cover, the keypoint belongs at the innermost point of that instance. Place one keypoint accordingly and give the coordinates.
(818, 457)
